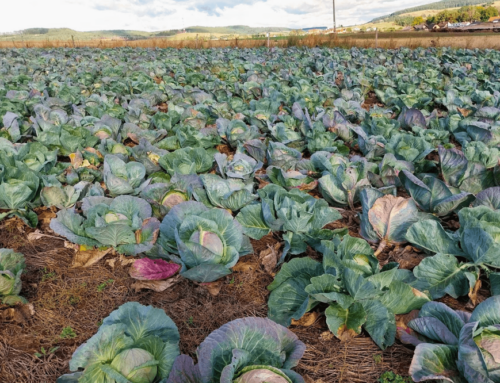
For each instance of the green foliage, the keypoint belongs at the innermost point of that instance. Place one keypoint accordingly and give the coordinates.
(124, 222)
(43, 352)
(417, 21)
(467, 13)
(359, 293)
(455, 343)
(443, 4)
(243, 351)
(391, 377)
(12, 265)
(134, 343)
(206, 242)
(67, 333)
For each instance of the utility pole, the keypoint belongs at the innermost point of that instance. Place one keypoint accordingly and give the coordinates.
(334, 21)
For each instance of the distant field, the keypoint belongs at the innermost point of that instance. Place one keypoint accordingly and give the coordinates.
(364, 40)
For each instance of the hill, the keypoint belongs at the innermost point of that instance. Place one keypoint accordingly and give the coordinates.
(38, 34)
(437, 6)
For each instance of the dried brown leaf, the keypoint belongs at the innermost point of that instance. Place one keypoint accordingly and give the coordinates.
(464, 112)
(126, 261)
(244, 267)
(111, 262)
(327, 335)
(269, 257)
(18, 314)
(473, 293)
(213, 287)
(89, 257)
(70, 245)
(36, 235)
(157, 286)
(402, 323)
(307, 320)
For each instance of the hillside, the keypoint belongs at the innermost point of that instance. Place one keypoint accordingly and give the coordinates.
(37, 34)
(389, 22)
(438, 6)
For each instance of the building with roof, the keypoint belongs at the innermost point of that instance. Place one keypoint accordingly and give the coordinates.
(421, 27)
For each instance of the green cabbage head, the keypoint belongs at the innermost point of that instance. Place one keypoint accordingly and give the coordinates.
(137, 365)
(11, 267)
(135, 344)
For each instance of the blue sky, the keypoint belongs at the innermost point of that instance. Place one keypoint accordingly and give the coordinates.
(156, 15)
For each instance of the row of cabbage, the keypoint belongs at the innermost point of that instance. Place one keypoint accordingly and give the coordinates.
(140, 344)
(128, 144)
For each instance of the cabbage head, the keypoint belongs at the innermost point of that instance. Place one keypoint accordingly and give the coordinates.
(12, 265)
(125, 223)
(208, 242)
(135, 344)
(247, 350)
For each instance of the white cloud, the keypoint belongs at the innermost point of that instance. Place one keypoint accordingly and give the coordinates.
(155, 15)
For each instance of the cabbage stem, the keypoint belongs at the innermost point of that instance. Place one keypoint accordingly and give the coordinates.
(380, 248)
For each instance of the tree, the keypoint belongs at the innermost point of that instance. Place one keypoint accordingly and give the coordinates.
(469, 13)
(488, 12)
(417, 21)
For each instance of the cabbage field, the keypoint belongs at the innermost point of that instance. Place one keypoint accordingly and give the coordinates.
(292, 215)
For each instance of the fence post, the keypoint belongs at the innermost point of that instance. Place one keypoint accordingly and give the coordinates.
(196, 41)
(72, 38)
(268, 40)
(376, 38)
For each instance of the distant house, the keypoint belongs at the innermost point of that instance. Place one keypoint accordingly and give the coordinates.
(477, 27)
(458, 25)
(406, 29)
(494, 19)
(421, 27)
(331, 30)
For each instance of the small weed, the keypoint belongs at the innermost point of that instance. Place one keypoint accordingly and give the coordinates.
(99, 324)
(104, 284)
(377, 358)
(68, 333)
(190, 321)
(74, 300)
(44, 352)
(47, 276)
(391, 377)
(231, 281)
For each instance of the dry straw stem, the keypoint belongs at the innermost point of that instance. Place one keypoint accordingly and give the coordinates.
(363, 40)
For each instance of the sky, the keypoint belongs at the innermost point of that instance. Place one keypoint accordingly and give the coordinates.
(159, 15)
